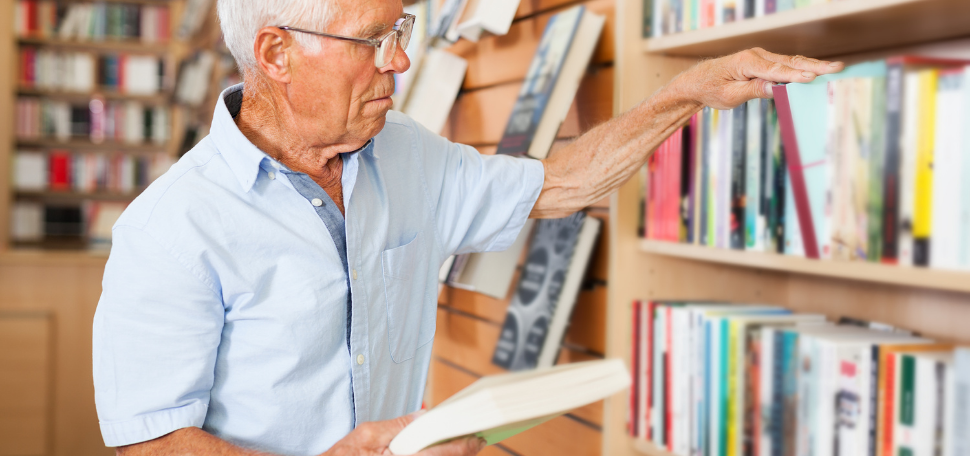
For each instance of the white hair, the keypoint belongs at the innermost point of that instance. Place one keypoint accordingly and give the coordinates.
(241, 19)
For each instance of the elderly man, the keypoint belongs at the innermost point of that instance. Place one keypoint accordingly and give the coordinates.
(275, 290)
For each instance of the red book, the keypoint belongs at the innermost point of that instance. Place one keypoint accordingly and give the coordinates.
(650, 224)
(889, 404)
(60, 170)
(673, 186)
(31, 10)
(786, 124)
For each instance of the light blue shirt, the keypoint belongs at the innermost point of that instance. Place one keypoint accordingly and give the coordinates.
(225, 302)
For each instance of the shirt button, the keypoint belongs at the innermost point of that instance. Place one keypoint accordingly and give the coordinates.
(360, 360)
(271, 175)
(353, 273)
(316, 202)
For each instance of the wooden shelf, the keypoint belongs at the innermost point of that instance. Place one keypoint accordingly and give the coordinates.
(22, 256)
(157, 99)
(86, 144)
(106, 45)
(870, 272)
(825, 30)
(649, 448)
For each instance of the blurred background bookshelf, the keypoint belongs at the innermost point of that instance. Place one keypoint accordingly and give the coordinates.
(652, 47)
(106, 96)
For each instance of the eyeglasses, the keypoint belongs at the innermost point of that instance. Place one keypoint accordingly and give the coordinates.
(386, 45)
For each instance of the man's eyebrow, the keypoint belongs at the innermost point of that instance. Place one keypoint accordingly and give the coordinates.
(373, 29)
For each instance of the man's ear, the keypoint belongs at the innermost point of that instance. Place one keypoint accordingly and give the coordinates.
(271, 48)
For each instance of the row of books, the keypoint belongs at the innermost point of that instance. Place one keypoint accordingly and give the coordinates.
(713, 379)
(62, 170)
(127, 122)
(664, 17)
(870, 164)
(71, 71)
(87, 222)
(92, 21)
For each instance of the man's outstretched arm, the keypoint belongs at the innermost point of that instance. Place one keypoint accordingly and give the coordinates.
(601, 160)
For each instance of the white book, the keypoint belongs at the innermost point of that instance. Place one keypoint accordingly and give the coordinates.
(26, 221)
(916, 410)
(726, 162)
(909, 144)
(435, 88)
(643, 377)
(30, 171)
(947, 167)
(134, 132)
(141, 75)
(500, 406)
(493, 16)
(679, 360)
(958, 429)
(658, 417)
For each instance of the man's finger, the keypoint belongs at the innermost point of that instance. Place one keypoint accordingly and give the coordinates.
(469, 446)
(758, 68)
(801, 62)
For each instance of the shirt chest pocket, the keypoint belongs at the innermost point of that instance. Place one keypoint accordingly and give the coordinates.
(410, 311)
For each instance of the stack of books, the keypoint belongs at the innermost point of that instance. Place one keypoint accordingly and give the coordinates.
(871, 164)
(45, 19)
(716, 379)
(129, 122)
(664, 17)
(69, 71)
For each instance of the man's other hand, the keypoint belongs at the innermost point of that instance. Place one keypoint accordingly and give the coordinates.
(726, 82)
(372, 438)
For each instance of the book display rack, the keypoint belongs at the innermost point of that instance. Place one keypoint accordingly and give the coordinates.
(927, 301)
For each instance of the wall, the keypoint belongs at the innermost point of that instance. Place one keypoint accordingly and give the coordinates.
(469, 323)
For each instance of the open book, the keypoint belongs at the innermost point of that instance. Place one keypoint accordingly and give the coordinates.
(500, 406)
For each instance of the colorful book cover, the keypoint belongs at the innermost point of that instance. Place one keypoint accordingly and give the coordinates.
(539, 82)
(892, 161)
(803, 119)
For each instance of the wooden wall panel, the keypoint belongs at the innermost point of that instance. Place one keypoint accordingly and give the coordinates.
(501, 59)
(466, 341)
(479, 117)
(66, 286)
(587, 328)
(25, 383)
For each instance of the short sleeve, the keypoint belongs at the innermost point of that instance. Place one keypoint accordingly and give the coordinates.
(481, 201)
(156, 335)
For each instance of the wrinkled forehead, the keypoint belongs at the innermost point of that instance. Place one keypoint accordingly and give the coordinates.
(365, 18)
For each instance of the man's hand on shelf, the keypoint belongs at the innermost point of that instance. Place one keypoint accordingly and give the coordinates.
(726, 82)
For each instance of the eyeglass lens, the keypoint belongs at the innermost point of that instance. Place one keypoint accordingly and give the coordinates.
(388, 47)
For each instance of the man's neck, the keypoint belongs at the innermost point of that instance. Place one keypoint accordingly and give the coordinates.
(262, 123)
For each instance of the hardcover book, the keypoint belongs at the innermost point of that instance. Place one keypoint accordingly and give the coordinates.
(543, 301)
(551, 83)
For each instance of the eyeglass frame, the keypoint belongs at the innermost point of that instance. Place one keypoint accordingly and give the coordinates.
(374, 42)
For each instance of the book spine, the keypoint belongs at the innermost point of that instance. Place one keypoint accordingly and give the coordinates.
(923, 201)
(873, 398)
(738, 152)
(647, 369)
(905, 433)
(733, 389)
(789, 408)
(892, 162)
(668, 371)
(877, 157)
(632, 424)
(753, 175)
(704, 182)
(796, 172)
(686, 183)
(888, 404)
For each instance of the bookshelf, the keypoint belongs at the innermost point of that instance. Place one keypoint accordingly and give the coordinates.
(171, 51)
(924, 300)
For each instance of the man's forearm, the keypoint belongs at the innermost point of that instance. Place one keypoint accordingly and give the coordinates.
(604, 158)
(187, 441)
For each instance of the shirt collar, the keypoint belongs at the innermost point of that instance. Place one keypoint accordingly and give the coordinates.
(242, 155)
